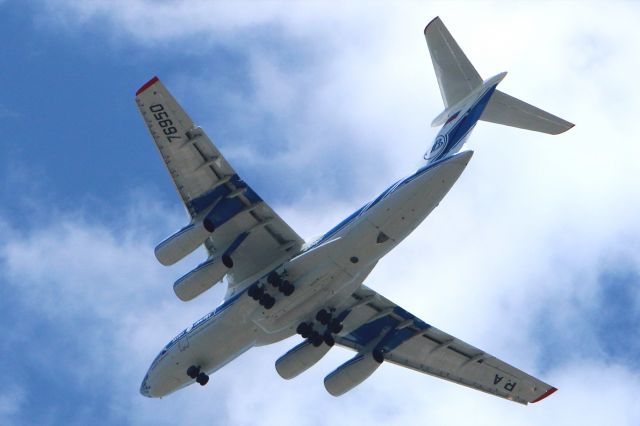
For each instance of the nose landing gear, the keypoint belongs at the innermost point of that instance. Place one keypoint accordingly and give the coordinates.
(201, 377)
(193, 371)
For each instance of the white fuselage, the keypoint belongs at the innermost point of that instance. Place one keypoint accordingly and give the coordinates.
(240, 323)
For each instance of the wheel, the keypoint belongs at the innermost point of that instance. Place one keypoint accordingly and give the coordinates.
(267, 301)
(264, 298)
(202, 379)
(193, 371)
(316, 339)
(255, 292)
(323, 316)
(378, 355)
(302, 327)
(208, 225)
(227, 261)
(335, 327)
(287, 289)
(274, 279)
(329, 340)
(307, 332)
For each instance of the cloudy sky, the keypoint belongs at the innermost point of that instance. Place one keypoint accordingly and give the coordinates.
(534, 256)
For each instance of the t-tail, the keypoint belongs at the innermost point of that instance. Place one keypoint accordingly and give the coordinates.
(467, 98)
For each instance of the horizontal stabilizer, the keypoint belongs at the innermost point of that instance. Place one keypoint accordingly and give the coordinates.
(509, 111)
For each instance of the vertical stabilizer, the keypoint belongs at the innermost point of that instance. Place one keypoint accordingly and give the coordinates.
(456, 76)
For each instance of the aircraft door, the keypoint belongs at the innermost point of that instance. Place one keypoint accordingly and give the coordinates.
(183, 343)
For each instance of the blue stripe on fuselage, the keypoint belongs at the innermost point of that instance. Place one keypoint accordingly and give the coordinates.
(465, 124)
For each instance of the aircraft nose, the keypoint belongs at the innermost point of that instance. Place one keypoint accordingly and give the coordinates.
(144, 387)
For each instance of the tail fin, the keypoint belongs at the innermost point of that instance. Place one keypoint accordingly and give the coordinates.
(457, 78)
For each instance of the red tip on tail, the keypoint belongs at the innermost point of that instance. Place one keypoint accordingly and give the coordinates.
(544, 395)
(147, 85)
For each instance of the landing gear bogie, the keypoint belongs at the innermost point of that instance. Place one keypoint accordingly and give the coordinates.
(267, 301)
(286, 288)
(255, 291)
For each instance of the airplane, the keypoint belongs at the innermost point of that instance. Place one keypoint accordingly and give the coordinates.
(279, 285)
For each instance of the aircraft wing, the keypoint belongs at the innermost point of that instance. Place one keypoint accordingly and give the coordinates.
(410, 342)
(207, 184)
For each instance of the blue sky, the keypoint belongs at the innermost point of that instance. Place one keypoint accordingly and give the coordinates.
(533, 256)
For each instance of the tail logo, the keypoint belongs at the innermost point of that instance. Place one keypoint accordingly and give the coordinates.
(438, 146)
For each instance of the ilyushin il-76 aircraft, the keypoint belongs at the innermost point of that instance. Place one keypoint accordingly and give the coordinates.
(279, 285)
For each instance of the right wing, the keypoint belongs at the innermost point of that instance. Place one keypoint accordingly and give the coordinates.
(207, 184)
(410, 342)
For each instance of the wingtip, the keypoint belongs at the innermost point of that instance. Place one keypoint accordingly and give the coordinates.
(544, 395)
(147, 85)
(429, 24)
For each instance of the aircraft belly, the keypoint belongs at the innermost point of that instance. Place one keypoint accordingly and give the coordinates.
(358, 247)
(401, 213)
(310, 292)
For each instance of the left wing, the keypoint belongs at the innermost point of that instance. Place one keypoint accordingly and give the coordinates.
(410, 342)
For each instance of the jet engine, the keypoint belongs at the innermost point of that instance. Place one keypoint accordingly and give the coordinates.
(202, 278)
(352, 373)
(181, 243)
(299, 359)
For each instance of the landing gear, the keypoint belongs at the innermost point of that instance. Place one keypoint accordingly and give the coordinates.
(335, 326)
(303, 328)
(255, 292)
(202, 379)
(378, 355)
(316, 339)
(286, 288)
(193, 371)
(267, 301)
(329, 340)
(323, 316)
(332, 326)
(274, 279)
(258, 294)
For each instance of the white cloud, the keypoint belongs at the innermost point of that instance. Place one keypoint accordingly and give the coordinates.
(12, 400)
(524, 236)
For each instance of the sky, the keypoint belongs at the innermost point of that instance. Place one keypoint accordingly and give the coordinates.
(534, 256)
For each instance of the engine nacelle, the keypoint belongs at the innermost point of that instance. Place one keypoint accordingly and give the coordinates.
(299, 359)
(181, 243)
(351, 373)
(201, 279)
